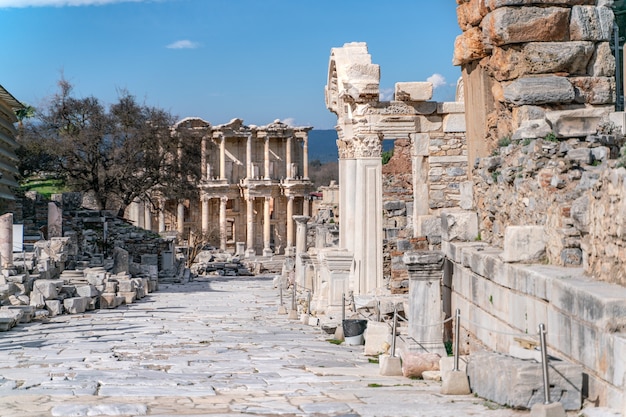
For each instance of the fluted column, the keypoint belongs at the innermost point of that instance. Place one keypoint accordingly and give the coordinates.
(288, 250)
(250, 251)
(267, 250)
(288, 159)
(223, 202)
(205, 214)
(223, 158)
(249, 172)
(266, 159)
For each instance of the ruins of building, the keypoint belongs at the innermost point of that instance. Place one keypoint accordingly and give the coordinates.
(8, 159)
(254, 179)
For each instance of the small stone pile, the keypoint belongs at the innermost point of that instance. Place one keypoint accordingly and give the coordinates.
(219, 264)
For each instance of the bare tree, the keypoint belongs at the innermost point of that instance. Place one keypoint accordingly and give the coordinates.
(119, 154)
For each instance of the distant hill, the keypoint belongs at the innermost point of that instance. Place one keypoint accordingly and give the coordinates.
(323, 145)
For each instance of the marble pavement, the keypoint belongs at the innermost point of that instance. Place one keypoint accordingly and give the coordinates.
(210, 347)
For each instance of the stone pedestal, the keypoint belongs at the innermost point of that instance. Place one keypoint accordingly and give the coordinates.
(425, 307)
(390, 365)
(547, 410)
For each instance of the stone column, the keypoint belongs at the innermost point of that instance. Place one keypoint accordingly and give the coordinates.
(419, 159)
(266, 159)
(180, 218)
(347, 178)
(288, 160)
(147, 216)
(250, 251)
(161, 216)
(223, 202)
(288, 250)
(223, 158)
(301, 250)
(6, 240)
(301, 232)
(267, 250)
(425, 305)
(305, 158)
(55, 220)
(306, 208)
(249, 172)
(368, 226)
(205, 214)
(203, 163)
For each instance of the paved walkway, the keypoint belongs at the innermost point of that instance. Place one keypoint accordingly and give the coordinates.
(211, 347)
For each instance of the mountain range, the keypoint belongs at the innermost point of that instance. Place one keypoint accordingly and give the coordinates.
(323, 145)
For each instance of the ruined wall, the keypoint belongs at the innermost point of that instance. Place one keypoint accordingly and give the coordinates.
(529, 66)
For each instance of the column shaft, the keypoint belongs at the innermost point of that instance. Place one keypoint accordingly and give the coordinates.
(288, 169)
(6, 240)
(223, 202)
(203, 163)
(305, 158)
(266, 159)
(147, 215)
(249, 172)
(290, 221)
(250, 226)
(266, 227)
(180, 218)
(223, 158)
(205, 215)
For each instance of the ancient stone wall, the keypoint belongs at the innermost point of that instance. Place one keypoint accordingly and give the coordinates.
(531, 68)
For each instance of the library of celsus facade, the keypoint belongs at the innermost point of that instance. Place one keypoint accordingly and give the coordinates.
(253, 180)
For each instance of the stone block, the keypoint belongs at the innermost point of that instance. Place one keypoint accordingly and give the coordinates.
(459, 225)
(150, 259)
(108, 300)
(49, 289)
(523, 243)
(518, 383)
(580, 122)
(539, 90)
(129, 296)
(54, 307)
(413, 364)
(28, 312)
(121, 261)
(86, 291)
(455, 383)
(414, 91)
(76, 305)
(7, 323)
(547, 410)
(126, 285)
(454, 122)
(377, 338)
(469, 46)
(590, 23)
(515, 25)
(447, 107)
(390, 365)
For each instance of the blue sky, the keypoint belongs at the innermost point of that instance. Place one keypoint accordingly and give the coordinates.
(258, 60)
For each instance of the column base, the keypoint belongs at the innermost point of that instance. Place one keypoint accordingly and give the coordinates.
(267, 252)
(250, 253)
(290, 251)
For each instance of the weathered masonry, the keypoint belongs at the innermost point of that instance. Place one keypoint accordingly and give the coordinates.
(254, 179)
(8, 159)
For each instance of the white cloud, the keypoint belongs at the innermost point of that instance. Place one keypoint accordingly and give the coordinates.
(289, 121)
(386, 94)
(183, 44)
(58, 3)
(438, 80)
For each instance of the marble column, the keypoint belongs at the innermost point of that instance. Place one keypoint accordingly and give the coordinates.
(6, 240)
(147, 218)
(180, 218)
(223, 158)
(249, 171)
(203, 161)
(266, 159)
(223, 201)
(347, 189)
(306, 206)
(288, 169)
(250, 251)
(301, 232)
(425, 306)
(55, 220)
(161, 216)
(267, 250)
(419, 162)
(289, 249)
(205, 214)
(305, 158)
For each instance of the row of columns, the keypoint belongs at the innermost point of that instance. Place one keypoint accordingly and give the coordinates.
(266, 158)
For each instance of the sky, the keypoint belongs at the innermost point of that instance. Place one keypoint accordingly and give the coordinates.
(257, 60)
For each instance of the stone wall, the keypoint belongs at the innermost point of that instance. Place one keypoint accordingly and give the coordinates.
(531, 68)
